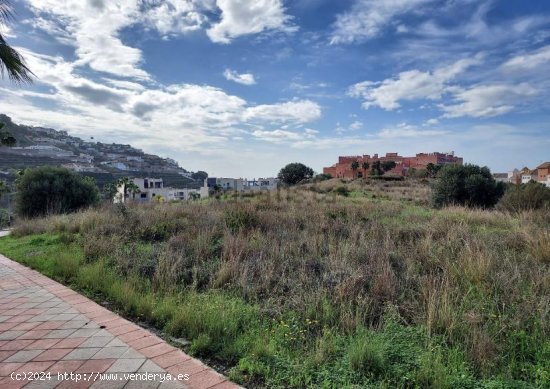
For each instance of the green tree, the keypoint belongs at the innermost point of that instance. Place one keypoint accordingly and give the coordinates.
(11, 62)
(432, 169)
(388, 165)
(294, 173)
(468, 185)
(354, 167)
(199, 176)
(51, 190)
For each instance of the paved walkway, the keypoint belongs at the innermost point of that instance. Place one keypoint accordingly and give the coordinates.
(47, 327)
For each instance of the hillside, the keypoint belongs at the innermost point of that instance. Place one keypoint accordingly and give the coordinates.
(39, 146)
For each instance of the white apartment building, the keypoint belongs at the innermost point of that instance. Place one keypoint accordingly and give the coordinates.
(526, 177)
(151, 188)
(212, 184)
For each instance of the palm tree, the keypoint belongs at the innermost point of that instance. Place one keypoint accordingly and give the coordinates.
(128, 186)
(110, 189)
(124, 181)
(354, 167)
(133, 189)
(11, 62)
(365, 165)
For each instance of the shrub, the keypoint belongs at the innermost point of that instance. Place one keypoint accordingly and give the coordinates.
(418, 173)
(525, 197)
(342, 191)
(4, 218)
(52, 190)
(468, 185)
(240, 218)
(322, 177)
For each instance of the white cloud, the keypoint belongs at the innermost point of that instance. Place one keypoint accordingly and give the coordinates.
(528, 61)
(310, 132)
(330, 143)
(405, 130)
(300, 87)
(177, 16)
(125, 84)
(409, 85)
(488, 100)
(93, 28)
(187, 114)
(244, 17)
(278, 136)
(300, 111)
(356, 125)
(244, 78)
(367, 18)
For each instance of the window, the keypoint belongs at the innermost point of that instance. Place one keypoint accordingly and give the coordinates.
(143, 195)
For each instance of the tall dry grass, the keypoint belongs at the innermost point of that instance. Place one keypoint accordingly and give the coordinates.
(479, 279)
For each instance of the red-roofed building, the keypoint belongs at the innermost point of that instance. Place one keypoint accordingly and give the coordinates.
(343, 169)
(543, 171)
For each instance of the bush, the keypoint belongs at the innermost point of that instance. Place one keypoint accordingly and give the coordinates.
(468, 185)
(322, 177)
(525, 197)
(240, 218)
(4, 218)
(342, 191)
(52, 190)
(294, 173)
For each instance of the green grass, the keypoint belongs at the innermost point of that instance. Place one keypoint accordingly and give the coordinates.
(262, 351)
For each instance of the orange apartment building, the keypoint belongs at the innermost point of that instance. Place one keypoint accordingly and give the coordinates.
(343, 169)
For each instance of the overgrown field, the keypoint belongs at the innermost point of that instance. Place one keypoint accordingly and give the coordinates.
(308, 289)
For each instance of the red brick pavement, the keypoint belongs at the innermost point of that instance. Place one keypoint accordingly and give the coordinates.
(47, 327)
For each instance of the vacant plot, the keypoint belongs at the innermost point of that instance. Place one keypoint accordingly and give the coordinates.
(311, 288)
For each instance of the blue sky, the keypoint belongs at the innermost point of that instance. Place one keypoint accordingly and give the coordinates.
(240, 88)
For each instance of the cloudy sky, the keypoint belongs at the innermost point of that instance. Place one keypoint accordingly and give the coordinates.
(242, 87)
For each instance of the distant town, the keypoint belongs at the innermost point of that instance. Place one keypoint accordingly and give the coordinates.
(359, 165)
(162, 179)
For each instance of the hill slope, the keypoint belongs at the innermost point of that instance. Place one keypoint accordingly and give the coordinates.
(39, 146)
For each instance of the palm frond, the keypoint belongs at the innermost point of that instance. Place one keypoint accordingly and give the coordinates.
(13, 64)
(6, 11)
